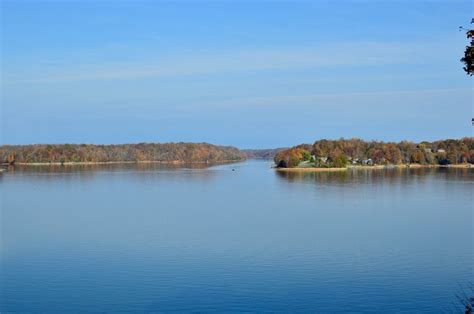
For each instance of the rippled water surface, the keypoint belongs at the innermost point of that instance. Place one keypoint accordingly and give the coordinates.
(151, 238)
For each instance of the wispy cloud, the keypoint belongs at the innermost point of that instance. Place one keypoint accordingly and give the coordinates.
(336, 55)
(366, 98)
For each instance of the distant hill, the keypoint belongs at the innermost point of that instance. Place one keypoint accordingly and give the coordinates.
(143, 152)
(262, 153)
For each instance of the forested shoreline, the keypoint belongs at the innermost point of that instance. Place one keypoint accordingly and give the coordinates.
(143, 152)
(321, 154)
(345, 152)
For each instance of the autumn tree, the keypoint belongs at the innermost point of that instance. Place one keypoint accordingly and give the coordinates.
(183, 152)
(11, 159)
(290, 158)
(340, 151)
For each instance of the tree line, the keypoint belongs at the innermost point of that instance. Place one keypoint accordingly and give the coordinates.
(340, 153)
(166, 152)
(266, 153)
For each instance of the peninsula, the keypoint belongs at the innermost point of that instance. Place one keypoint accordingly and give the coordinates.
(355, 153)
(44, 154)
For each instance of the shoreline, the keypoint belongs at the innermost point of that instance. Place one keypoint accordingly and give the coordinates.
(91, 163)
(376, 167)
(309, 169)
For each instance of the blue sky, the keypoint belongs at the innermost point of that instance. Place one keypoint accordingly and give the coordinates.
(243, 73)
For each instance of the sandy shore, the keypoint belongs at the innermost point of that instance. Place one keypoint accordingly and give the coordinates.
(470, 166)
(414, 166)
(309, 169)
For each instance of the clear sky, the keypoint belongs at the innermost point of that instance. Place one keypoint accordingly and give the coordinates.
(243, 73)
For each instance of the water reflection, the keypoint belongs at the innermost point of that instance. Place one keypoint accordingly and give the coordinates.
(358, 176)
(140, 171)
(105, 167)
(235, 237)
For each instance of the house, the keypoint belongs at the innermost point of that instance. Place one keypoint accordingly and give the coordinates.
(368, 161)
(441, 151)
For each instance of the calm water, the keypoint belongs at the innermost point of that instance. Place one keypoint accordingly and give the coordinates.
(149, 238)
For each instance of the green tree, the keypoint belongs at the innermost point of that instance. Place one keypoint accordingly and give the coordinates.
(338, 158)
(340, 161)
(306, 155)
(469, 51)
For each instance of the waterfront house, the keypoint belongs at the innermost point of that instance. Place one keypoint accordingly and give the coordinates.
(368, 162)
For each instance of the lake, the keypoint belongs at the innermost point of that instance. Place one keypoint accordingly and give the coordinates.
(235, 237)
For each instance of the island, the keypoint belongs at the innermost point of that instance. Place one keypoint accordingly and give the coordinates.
(62, 154)
(343, 154)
